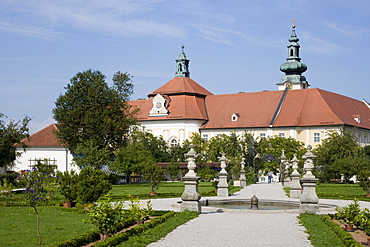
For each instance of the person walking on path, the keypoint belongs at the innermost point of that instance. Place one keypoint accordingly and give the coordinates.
(269, 174)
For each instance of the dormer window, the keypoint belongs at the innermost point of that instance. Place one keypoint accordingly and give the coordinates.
(159, 106)
(357, 118)
(235, 117)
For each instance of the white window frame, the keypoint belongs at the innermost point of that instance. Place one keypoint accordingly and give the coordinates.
(316, 137)
(205, 137)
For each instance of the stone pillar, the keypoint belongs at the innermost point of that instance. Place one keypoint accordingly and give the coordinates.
(243, 180)
(190, 197)
(295, 188)
(309, 199)
(285, 166)
(223, 187)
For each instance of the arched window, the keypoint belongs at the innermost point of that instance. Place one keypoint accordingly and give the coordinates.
(180, 68)
(291, 52)
(174, 142)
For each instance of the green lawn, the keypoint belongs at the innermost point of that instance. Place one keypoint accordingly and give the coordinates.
(338, 191)
(341, 191)
(18, 225)
(165, 190)
(320, 234)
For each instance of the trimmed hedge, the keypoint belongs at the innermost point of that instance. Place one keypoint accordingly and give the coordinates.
(91, 236)
(118, 238)
(344, 236)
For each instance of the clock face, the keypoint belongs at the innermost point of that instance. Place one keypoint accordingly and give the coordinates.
(289, 85)
(158, 104)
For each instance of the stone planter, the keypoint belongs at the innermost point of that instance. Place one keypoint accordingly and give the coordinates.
(67, 204)
(348, 228)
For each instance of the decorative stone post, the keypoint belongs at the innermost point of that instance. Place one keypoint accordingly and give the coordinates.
(243, 180)
(309, 199)
(223, 187)
(295, 188)
(190, 197)
(285, 166)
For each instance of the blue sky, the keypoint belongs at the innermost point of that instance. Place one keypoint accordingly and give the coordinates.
(233, 46)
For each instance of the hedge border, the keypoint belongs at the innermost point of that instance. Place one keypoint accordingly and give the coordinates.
(344, 236)
(118, 238)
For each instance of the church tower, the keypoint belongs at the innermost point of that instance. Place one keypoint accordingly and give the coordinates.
(293, 68)
(182, 65)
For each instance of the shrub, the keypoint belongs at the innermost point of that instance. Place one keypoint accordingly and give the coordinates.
(107, 215)
(68, 184)
(92, 183)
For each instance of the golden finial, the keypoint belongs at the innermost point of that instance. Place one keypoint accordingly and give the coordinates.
(293, 22)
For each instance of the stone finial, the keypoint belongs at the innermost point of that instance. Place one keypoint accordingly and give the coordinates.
(283, 157)
(295, 161)
(308, 166)
(242, 164)
(190, 158)
(223, 160)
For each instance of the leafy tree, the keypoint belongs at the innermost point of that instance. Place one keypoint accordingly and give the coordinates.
(92, 183)
(132, 159)
(206, 173)
(173, 170)
(92, 111)
(40, 187)
(153, 174)
(155, 145)
(91, 155)
(11, 132)
(337, 146)
(274, 146)
(68, 184)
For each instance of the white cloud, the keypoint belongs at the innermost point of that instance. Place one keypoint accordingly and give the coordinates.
(33, 31)
(37, 126)
(114, 17)
(347, 30)
(320, 45)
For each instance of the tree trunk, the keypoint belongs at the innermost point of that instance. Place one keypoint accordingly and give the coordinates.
(38, 225)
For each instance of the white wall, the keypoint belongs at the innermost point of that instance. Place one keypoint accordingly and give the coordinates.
(62, 156)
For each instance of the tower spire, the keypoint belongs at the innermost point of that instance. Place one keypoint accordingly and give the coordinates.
(293, 68)
(182, 64)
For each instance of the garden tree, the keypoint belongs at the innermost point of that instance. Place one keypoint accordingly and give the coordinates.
(351, 165)
(91, 111)
(155, 145)
(67, 182)
(132, 158)
(177, 153)
(91, 184)
(201, 147)
(11, 132)
(173, 169)
(39, 188)
(275, 145)
(154, 174)
(337, 146)
(91, 155)
(362, 161)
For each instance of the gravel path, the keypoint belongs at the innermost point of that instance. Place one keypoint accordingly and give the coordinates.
(241, 228)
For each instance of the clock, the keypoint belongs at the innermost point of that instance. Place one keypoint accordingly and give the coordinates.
(158, 104)
(289, 85)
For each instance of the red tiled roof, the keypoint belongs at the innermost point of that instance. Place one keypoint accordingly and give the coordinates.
(254, 109)
(181, 85)
(179, 107)
(44, 138)
(306, 107)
